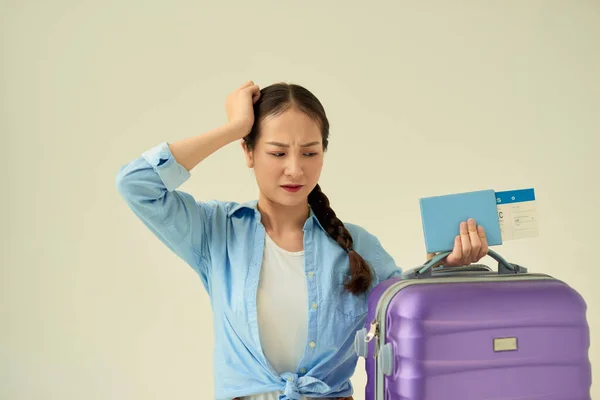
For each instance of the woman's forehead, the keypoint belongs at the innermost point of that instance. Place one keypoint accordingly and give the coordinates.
(291, 127)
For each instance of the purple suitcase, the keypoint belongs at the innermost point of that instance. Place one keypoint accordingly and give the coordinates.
(471, 333)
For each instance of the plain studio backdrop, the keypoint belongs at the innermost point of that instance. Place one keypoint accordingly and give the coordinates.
(424, 98)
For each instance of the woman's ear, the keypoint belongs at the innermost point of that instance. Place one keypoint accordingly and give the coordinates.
(248, 155)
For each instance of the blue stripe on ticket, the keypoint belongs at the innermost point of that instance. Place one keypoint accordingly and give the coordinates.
(515, 196)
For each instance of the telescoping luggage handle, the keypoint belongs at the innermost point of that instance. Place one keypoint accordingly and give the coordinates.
(504, 267)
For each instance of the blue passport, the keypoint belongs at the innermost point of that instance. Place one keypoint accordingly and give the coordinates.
(441, 217)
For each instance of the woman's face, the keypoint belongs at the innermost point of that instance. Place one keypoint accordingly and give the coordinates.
(287, 157)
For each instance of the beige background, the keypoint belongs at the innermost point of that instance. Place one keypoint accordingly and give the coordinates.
(424, 98)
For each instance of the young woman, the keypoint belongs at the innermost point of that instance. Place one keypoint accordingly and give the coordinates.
(287, 279)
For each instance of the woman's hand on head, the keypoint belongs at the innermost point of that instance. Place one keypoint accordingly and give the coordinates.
(469, 247)
(239, 107)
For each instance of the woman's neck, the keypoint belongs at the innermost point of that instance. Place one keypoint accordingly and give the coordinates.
(278, 218)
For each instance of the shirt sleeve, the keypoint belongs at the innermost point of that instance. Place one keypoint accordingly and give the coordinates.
(148, 185)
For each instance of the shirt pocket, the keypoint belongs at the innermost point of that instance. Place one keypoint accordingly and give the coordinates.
(353, 306)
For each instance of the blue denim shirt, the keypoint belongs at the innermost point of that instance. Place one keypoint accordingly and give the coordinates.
(223, 242)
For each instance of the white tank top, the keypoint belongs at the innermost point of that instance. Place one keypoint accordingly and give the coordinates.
(282, 305)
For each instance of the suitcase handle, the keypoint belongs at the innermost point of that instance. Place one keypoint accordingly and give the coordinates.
(464, 268)
(504, 267)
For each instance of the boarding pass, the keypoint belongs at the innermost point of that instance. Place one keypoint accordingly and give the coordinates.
(517, 214)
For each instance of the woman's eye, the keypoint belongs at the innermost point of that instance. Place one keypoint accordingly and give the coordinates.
(283, 154)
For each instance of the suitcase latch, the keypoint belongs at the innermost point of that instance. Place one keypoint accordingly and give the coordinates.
(373, 331)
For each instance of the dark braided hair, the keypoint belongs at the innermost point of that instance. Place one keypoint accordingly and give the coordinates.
(276, 99)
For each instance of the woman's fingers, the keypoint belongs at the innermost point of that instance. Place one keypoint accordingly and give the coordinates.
(474, 240)
(466, 243)
(484, 244)
(454, 259)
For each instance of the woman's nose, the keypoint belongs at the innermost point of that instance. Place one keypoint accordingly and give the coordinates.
(294, 167)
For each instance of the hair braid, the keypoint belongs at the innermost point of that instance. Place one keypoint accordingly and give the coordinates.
(360, 272)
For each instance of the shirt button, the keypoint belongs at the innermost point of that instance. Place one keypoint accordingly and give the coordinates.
(302, 370)
(312, 344)
(314, 306)
(311, 274)
(290, 379)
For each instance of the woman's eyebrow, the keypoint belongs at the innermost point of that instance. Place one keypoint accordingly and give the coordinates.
(278, 144)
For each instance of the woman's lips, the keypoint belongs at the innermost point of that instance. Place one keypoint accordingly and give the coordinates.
(292, 188)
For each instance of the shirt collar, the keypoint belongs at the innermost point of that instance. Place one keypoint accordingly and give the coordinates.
(253, 206)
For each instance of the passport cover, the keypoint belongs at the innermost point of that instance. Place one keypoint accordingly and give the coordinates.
(441, 217)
